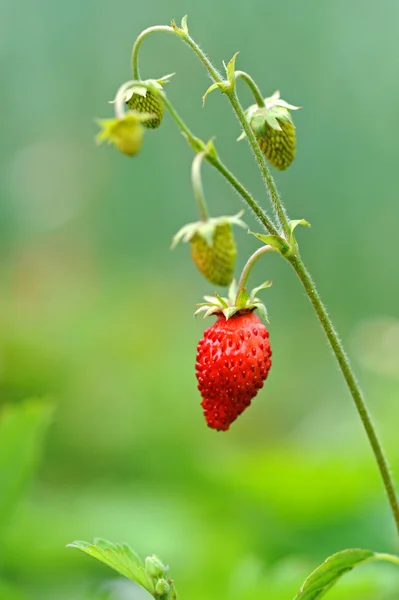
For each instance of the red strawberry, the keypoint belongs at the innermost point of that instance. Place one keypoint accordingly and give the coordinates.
(233, 360)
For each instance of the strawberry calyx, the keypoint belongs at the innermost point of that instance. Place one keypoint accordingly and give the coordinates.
(275, 110)
(237, 302)
(206, 229)
(141, 87)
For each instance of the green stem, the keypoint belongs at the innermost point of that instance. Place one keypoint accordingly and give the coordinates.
(232, 96)
(242, 284)
(388, 557)
(199, 146)
(119, 102)
(197, 186)
(253, 87)
(350, 379)
(137, 44)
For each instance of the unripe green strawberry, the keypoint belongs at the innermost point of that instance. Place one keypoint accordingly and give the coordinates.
(146, 101)
(216, 262)
(213, 248)
(278, 146)
(273, 127)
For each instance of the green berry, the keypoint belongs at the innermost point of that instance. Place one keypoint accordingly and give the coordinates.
(150, 103)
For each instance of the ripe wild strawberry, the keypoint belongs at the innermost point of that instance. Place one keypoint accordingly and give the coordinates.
(273, 127)
(213, 248)
(233, 360)
(233, 357)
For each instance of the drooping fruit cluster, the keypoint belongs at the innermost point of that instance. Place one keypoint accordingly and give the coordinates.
(233, 361)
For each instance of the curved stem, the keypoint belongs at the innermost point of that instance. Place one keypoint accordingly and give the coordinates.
(197, 186)
(350, 379)
(216, 76)
(248, 268)
(119, 101)
(137, 44)
(214, 160)
(253, 87)
(388, 557)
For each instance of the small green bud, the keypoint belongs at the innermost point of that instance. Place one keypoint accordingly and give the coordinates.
(162, 587)
(155, 567)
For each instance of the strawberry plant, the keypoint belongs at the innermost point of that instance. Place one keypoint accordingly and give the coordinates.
(234, 355)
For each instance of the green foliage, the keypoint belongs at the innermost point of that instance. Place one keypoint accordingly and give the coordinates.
(22, 431)
(325, 576)
(120, 557)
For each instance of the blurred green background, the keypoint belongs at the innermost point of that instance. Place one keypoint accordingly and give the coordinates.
(96, 313)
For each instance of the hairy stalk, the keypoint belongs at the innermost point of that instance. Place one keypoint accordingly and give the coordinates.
(214, 160)
(252, 86)
(242, 284)
(137, 44)
(197, 186)
(350, 379)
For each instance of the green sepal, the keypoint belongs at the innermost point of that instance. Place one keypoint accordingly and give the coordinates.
(262, 311)
(243, 297)
(216, 305)
(275, 110)
(210, 150)
(263, 286)
(180, 31)
(220, 85)
(276, 242)
(205, 229)
(294, 224)
(230, 69)
(184, 24)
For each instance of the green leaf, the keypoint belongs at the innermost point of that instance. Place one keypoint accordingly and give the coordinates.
(119, 557)
(326, 575)
(22, 431)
